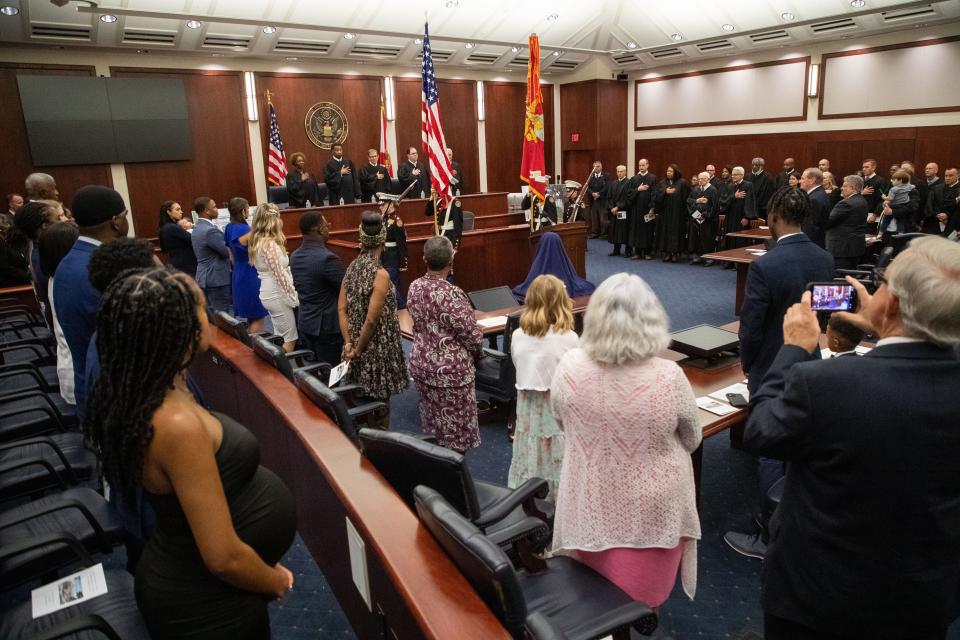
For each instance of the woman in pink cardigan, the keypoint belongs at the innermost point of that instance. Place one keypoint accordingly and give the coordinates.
(627, 506)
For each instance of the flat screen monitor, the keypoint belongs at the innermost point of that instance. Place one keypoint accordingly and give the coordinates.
(492, 299)
(704, 341)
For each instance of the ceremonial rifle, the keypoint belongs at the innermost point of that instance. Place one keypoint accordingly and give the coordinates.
(579, 200)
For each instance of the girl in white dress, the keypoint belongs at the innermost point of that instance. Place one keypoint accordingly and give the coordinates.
(268, 254)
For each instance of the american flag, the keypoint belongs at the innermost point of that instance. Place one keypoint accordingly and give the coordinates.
(277, 159)
(434, 145)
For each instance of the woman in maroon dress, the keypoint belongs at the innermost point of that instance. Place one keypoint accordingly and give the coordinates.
(447, 340)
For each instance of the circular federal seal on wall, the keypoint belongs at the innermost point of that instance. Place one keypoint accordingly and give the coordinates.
(326, 125)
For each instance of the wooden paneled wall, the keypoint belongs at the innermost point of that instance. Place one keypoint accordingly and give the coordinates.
(294, 94)
(597, 111)
(458, 111)
(17, 164)
(506, 111)
(845, 149)
(220, 167)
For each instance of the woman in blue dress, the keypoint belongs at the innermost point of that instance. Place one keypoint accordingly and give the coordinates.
(246, 282)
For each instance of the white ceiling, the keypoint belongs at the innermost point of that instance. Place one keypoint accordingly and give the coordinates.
(626, 34)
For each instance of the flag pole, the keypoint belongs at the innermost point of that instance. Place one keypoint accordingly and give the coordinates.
(436, 224)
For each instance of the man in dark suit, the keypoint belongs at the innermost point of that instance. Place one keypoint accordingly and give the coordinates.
(317, 274)
(775, 281)
(341, 178)
(943, 207)
(596, 199)
(866, 540)
(789, 169)
(742, 208)
(874, 186)
(847, 225)
(213, 258)
(815, 225)
(414, 171)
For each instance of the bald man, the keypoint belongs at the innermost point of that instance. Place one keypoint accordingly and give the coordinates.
(789, 169)
(823, 165)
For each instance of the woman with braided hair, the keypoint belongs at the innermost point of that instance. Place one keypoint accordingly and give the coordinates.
(222, 521)
(368, 317)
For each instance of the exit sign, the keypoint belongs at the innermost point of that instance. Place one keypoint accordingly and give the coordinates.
(574, 137)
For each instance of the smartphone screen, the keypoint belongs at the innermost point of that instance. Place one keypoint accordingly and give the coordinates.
(832, 297)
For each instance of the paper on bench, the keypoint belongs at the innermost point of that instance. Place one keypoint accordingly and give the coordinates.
(495, 321)
(739, 387)
(66, 592)
(719, 408)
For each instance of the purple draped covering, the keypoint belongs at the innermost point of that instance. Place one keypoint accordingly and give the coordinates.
(552, 259)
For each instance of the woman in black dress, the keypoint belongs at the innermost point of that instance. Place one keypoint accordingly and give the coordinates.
(670, 205)
(175, 239)
(222, 521)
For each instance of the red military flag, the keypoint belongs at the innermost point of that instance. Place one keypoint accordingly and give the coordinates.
(533, 167)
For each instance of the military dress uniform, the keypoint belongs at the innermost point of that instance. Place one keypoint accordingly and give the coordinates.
(394, 257)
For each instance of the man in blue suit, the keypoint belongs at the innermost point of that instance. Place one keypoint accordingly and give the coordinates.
(775, 281)
(317, 275)
(213, 258)
(102, 216)
(818, 213)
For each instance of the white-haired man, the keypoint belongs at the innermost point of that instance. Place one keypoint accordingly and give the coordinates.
(866, 540)
(703, 206)
(847, 225)
(620, 196)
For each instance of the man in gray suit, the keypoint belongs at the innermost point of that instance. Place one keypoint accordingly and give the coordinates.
(213, 261)
(847, 225)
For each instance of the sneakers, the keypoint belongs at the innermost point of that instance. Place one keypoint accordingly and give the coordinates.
(746, 544)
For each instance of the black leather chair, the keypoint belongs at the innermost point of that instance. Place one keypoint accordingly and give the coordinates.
(278, 195)
(343, 405)
(234, 326)
(496, 376)
(507, 516)
(566, 600)
(81, 515)
(270, 349)
(37, 465)
(469, 220)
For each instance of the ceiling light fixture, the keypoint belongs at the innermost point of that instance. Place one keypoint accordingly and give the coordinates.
(631, 45)
(727, 27)
(108, 18)
(514, 49)
(292, 59)
(552, 17)
(677, 36)
(469, 45)
(194, 24)
(452, 4)
(142, 51)
(8, 10)
(786, 15)
(856, 4)
(349, 36)
(269, 29)
(557, 53)
(417, 41)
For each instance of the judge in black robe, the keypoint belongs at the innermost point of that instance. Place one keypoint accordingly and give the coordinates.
(642, 233)
(414, 171)
(596, 199)
(620, 195)
(703, 203)
(762, 186)
(741, 209)
(341, 178)
(301, 184)
(943, 212)
(374, 177)
(670, 206)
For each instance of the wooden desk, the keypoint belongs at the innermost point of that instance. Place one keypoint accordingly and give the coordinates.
(486, 257)
(742, 258)
(347, 216)
(24, 295)
(415, 589)
(754, 235)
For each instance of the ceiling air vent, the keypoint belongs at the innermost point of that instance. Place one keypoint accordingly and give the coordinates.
(483, 58)
(833, 25)
(287, 45)
(626, 58)
(670, 52)
(565, 65)
(908, 14)
(438, 56)
(60, 31)
(226, 42)
(376, 51)
(769, 36)
(519, 61)
(715, 45)
(139, 36)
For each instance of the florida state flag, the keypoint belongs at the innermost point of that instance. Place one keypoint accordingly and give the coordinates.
(533, 168)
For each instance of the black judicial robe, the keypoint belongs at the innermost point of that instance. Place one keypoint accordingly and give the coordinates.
(725, 194)
(370, 184)
(942, 199)
(341, 185)
(671, 210)
(641, 233)
(702, 235)
(299, 191)
(459, 188)
(717, 182)
(405, 175)
(762, 190)
(881, 187)
(620, 194)
(738, 209)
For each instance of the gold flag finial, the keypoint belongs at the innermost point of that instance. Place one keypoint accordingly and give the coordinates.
(269, 96)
